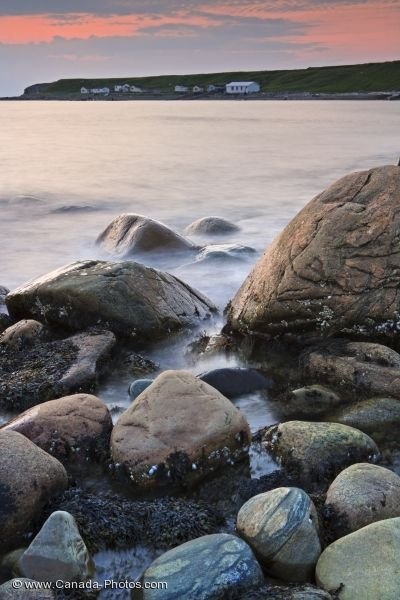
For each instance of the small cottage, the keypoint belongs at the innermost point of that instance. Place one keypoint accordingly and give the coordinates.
(197, 89)
(84, 90)
(242, 87)
(181, 89)
(135, 90)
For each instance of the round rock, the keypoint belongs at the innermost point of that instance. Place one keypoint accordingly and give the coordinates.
(365, 564)
(178, 430)
(57, 552)
(379, 417)
(211, 226)
(77, 426)
(207, 568)
(281, 526)
(233, 382)
(312, 400)
(316, 452)
(138, 386)
(363, 494)
(21, 333)
(334, 266)
(29, 477)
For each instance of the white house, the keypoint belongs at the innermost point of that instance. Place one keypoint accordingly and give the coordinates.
(104, 90)
(242, 87)
(181, 89)
(197, 89)
(135, 90)
(117, 88)
(84, 90)
(125, 88)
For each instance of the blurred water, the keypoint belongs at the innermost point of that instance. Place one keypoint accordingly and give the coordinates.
(66, 169)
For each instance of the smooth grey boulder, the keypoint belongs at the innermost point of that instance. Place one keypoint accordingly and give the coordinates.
(236, 381)
(29, 477)
(312, 401)
(314, 452)
(207, 568)
(363, 494)
(138, 386)
(364, 564)
(58, 552)
(281, 526)
(131, 234)
(211, 226)
(49, 370)
(126, 298)
(333, 269)
(224, 252)
(22, 588)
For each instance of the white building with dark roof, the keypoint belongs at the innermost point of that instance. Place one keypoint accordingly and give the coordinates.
(242, 87)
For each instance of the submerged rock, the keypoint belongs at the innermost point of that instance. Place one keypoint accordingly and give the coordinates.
(50, 370)
(58, 552)
(70, 428)
(29, 477)
(312, 401)
(177, 431)
(317, 452)
(131, 234)
(365, 564)
(224, 252)
(362, 366)
(211, 226)
(17, 589)
(208, 568)
(281, 527)
(363, 494)
(334, 268)
(235, 381)
(379, 417)
(126, 298)
(22, 333)
(138, 386)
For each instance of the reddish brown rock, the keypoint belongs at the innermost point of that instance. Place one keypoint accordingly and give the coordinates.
(334, 268)
(77, 426)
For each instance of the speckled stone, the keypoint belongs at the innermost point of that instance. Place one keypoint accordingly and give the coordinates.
(379, 417)
(312, 401)
(207, 568)
(57, 552)
(9, 591)
(364, 564)
(138, 386)
(363, 494)
(281, 526)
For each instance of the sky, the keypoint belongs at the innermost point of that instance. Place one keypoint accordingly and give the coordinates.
(45, 40)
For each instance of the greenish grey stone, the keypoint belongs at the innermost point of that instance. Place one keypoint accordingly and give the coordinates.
(207, 568)
(364, 564)
(281, 526)
(313, 400)
(57, 552)
(16, 589)
(379, 417)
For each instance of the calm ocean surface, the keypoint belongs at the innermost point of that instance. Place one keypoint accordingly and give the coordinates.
(66, 169)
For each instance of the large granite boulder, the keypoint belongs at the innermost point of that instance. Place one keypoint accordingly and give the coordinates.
(131, 234)
(126, 298)
(365, 564)
(379, 417)
(28, 478)
(281, 526)
(70, 428)
(58, 552)
(366, 367)
(363, 494)
(335, 266)
(211, 226)
(177, 431)
(49, 370)
(316, 452)
(209, 568)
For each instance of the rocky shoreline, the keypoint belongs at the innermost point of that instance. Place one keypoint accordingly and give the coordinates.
(316, 326)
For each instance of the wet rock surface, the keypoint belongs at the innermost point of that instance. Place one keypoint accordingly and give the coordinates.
(334, 268)
(58, 552)
(131, 234)
(29, 477)
(126, 298)
(76, 427)
(48, 370)
(315, 452)
(179, 430)
(207, 568)
(211, 226)
(281, 526)
(224, 252)
(379, 417)
(312, 401)
(363, 494)
(233, 382)
(11, 591)
(366, 367)
(22, 333)
(363, 564)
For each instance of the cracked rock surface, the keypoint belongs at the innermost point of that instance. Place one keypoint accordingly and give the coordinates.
(334, 268)
(125, 297)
